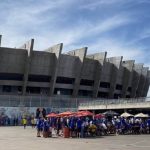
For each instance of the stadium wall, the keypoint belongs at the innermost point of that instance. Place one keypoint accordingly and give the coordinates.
(25, 71)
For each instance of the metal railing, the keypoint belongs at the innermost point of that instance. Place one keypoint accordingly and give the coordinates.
(60, 101)
(36, 101)
(115, 101)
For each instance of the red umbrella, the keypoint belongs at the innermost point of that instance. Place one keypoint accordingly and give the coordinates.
(51, 115)
(85, 113)
(80, 115)
(72, 115)
(99, 116)
(67, 113)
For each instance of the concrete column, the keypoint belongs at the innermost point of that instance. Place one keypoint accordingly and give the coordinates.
(100, 57)
(81, 53)
(127, 76)
(116, 61)
(137, 69)
(0, 40)
(146, 85)
(142, 82)
(56, 49)
(29, 47)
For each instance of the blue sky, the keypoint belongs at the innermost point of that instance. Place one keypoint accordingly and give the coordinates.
(120, 27)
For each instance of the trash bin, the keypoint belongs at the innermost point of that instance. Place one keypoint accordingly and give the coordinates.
(66, 132)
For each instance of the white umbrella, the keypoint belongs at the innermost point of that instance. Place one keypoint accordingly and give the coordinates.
(141, 115)
(125, 114)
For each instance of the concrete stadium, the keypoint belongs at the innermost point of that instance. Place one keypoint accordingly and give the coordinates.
(26, 71)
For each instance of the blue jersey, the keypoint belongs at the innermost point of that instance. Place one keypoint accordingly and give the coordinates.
(79, 123)
(72, 123)
(45, 125)
(40, 124)
(148, 122)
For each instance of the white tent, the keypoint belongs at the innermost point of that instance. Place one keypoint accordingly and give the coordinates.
(125, 114)
(141, 115)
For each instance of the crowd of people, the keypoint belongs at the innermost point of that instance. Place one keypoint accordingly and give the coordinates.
(9, 121)
(89, 126)
(17, 121)
(80, 126)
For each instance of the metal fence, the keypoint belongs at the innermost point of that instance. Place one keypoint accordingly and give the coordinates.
(60, 102)
(36, 101)
(114, 101)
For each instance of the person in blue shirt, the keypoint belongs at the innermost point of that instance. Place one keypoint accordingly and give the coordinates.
(78, 124)
(72, 127)
(148, 125)
(39, 126)
(82, 135)
(45, 128)
(118, 126)
(58, 125)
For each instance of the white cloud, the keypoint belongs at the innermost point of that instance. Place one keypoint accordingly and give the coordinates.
(140, 35)
(31, 21)
(101, 3)
(83, 29)
(108, 24)
(115, 48)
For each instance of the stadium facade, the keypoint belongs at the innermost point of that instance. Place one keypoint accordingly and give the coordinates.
(25, 71)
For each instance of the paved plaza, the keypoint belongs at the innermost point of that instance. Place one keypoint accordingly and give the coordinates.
(16, 138)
